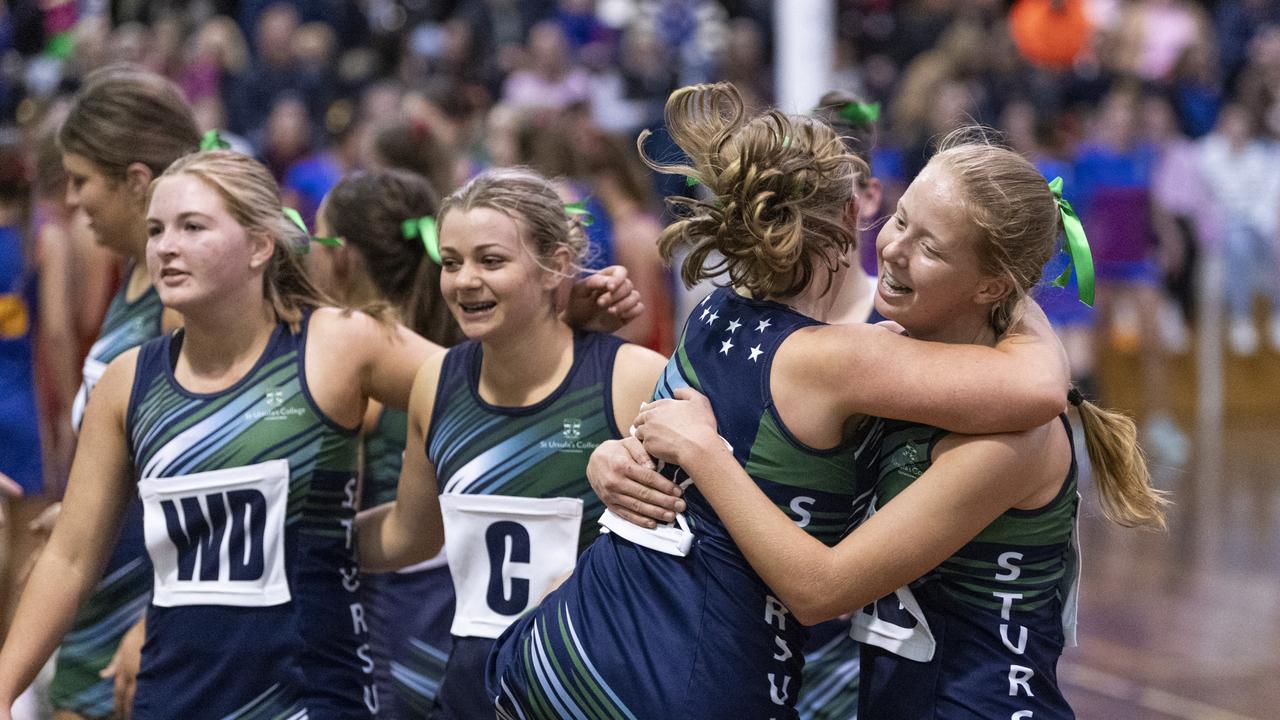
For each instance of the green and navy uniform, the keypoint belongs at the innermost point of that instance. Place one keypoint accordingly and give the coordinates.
(518, 460)
(637, 633)
(118, 600)
(249, 496)
(409, 611)
(987, 625)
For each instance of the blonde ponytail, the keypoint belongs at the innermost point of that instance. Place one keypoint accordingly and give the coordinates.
(1120, 467)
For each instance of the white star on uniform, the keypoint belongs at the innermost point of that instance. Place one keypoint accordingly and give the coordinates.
(734, 325)
(704, 314)
(704, 300)
(724, 346)
(712, 320)
(763, 324)
(755, 353)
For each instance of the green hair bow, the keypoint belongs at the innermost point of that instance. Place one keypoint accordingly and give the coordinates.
(305, 248)
(579, 210)
(1077, 248)
(860, 113)
(212, 140)
(423, 228)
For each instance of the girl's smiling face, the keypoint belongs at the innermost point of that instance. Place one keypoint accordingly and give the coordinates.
(929, 272)
(490, 278)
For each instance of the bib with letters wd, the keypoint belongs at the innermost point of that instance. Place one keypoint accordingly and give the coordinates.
(249, 498)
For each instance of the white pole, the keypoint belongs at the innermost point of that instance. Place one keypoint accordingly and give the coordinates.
(804, 48)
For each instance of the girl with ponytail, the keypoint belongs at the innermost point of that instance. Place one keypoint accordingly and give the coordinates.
(387, 222)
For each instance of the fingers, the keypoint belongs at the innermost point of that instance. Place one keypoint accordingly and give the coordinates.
(635, 449)
(629, 307)
(112, 667)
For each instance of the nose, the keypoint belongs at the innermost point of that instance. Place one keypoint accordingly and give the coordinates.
(163, 245)
(467, 277)
(893, 250)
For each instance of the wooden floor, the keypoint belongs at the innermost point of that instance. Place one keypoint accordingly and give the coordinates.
(1186, 624)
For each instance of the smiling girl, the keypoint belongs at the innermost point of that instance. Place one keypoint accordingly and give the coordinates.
(501, 427)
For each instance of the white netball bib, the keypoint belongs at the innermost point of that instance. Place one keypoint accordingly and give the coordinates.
(504, 555)
(91, 373)
(217, 538)
(913, 642)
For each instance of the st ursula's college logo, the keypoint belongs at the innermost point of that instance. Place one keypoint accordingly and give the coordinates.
(572, 428)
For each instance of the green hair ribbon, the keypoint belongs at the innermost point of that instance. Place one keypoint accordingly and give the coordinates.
(212, 140)
(423, 228)
(690, 181)
(1077, 248)
(860, 113)
(579, 210)
(296, 219)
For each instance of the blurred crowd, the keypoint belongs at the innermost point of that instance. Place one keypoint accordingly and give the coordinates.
(1162, 116)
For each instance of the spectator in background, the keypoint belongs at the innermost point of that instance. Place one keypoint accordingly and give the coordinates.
(1154, 34)
(549, 79)
(287, 136)
(1113, 176)
(217, 59)
(629, 97)
(1243, 172)
(745, 65)
(615, 176)
(1181, 203)
(274, 71)
(420, 147)
(314, 45)
(1196, 92)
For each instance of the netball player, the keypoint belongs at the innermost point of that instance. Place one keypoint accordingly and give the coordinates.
(385, 219)
(501, 427)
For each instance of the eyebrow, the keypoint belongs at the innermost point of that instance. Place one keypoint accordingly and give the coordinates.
(182, 216)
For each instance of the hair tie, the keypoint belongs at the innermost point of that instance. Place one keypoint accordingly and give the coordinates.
(212, 140)
(860, 113)
(423, 228)
(1074, 397)
(1077, 247)
(578, 211)
(305, 247)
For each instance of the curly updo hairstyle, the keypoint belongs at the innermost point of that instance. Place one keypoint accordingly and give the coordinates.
(780, 191)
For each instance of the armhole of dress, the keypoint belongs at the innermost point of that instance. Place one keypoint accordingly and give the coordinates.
(300, 346)
(145, 357)
(452, 356)
(766, 399)
(611, 364)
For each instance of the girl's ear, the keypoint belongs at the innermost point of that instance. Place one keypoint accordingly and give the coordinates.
(263, 247)
(137, 178)
(993, 289)
(561, 265)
